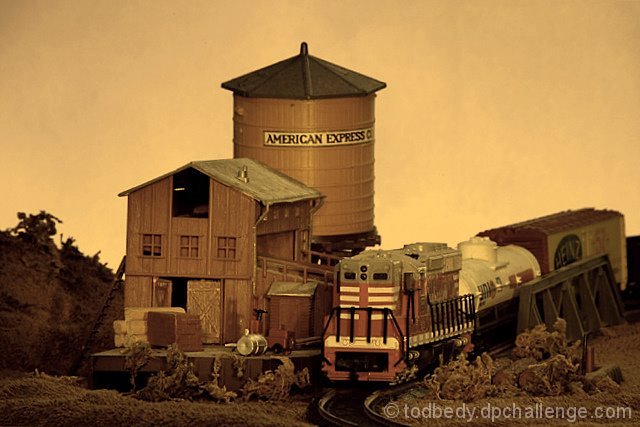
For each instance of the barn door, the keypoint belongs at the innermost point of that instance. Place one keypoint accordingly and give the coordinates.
(161, 292)
(203, 299)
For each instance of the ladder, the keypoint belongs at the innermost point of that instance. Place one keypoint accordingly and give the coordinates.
(93, 334)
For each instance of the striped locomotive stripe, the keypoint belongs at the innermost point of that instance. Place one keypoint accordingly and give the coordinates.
(390, 298)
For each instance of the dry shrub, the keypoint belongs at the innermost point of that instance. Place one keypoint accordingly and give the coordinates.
(178, 382)
(543, 363)
(552, 377)
(137, 354)
(541, 344)
(276, 385)
(406, 375)
(555, 362)
(213, 389)
(463, 380)
(239, 365)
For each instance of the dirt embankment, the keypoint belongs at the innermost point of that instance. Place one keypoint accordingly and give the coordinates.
(49, 298)
(539, 385)
(46, 401)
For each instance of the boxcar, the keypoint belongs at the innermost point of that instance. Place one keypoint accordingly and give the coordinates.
(559, 239)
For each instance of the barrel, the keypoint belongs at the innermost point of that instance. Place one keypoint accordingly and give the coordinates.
(252, 345)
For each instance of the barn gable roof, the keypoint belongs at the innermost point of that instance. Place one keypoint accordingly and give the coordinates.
(263, 183)
(303, 77)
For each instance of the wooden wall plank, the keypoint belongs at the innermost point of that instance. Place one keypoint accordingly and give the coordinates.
(190, 227)
(148, 213)
(238, 308)
(286, 217)
(278, 245)
(137, 291)
(233, 215)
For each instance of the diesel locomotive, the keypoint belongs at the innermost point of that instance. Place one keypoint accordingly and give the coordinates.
(395, 309)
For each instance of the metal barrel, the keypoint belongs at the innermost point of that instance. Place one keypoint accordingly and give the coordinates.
(252, 345)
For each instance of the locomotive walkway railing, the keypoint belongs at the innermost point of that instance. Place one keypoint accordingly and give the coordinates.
(584, 294)
(452, 316)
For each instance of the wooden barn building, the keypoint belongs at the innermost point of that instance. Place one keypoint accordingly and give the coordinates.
(213, 236)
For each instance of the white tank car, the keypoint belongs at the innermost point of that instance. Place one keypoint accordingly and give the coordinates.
(494, 273)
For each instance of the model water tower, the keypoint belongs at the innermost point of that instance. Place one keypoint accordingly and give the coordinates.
(314, 121)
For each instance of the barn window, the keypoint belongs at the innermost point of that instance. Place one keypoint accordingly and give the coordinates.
(226, 247)
(190, 194)
(152, 245)
(189, 246)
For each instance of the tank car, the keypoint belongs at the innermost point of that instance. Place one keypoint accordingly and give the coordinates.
(492, 273)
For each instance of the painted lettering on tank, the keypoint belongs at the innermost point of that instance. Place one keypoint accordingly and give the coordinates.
(306, 139)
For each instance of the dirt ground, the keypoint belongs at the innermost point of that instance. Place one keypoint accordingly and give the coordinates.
(40, 400)
(619, 406)
(28, 399)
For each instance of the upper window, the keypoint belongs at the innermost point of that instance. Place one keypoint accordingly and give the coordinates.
(227, 247)
(152, 245)
(191, 194)
(189, 246)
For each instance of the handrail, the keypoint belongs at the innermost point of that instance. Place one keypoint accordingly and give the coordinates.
(387, 315)
(451, 314)
(286, 266)
(330, 260)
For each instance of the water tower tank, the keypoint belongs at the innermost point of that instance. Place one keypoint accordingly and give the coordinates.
(314, 121)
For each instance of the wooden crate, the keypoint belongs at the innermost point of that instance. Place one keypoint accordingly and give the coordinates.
(164, 329)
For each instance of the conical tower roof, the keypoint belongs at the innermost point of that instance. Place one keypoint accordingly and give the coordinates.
(303, 77)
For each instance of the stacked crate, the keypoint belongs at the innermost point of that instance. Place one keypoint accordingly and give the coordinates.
(134, 326)
(184, 330)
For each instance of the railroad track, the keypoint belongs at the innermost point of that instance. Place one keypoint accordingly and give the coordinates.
(357, 406)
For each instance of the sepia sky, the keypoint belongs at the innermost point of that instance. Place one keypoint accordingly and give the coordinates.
(495, 111)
